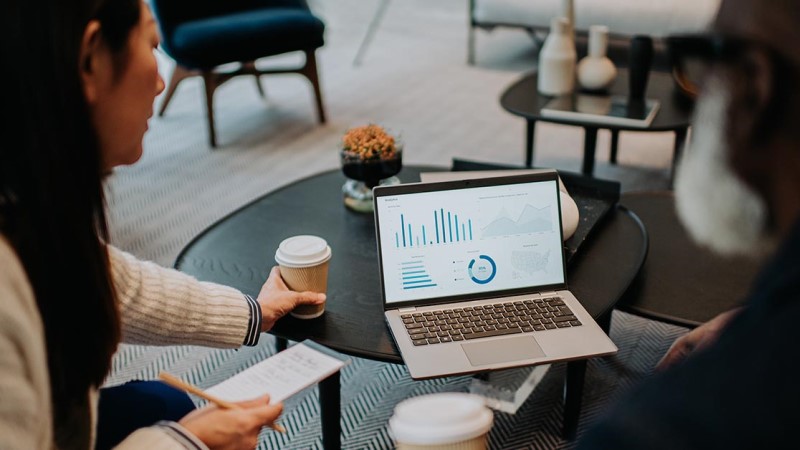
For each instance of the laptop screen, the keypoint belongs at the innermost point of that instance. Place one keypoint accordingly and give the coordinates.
(470, 241)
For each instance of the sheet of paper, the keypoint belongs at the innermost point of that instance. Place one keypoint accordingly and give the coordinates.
(280, 376)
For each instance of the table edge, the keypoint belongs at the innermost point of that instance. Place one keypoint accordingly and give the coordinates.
(600, 126)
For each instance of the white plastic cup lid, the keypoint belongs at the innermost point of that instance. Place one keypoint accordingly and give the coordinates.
(440, 419)
(302, 251)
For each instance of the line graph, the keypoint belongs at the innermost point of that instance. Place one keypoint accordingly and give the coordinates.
(531, 220)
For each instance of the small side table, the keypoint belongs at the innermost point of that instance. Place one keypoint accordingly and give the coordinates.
(523, 99)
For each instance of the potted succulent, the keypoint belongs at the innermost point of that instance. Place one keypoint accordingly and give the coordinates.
(370, 156)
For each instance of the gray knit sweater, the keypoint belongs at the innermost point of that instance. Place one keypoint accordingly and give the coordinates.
(159, 306)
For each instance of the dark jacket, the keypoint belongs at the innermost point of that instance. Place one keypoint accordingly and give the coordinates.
(743, 392)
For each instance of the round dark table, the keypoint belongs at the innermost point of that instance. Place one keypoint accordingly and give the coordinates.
(523, 99)
(681, 283)
(239, 251)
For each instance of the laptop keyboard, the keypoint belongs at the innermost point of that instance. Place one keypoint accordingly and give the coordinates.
(458, 324)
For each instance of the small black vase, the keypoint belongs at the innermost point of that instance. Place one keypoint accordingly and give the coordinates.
(639, 61)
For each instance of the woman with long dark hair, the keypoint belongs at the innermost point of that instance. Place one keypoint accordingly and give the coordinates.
(78, 84)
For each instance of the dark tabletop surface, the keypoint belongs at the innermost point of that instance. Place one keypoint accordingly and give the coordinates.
(680, 282)
(239, 251)
(523, 99)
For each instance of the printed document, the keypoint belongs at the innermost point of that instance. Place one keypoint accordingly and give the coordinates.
(281, 375)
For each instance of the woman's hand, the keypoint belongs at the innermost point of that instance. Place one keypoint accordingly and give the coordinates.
(697, 339)
(232, 429)
(277, 300)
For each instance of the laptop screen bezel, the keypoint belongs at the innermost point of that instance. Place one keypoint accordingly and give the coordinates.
(417, 188)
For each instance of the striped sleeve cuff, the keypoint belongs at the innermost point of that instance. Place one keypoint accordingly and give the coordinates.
(254, 327)
(182, 435)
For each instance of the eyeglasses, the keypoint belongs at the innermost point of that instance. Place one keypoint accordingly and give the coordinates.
(693, 56)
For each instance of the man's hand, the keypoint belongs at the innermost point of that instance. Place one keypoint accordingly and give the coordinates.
(232, 429)
(697, 339)
(277, 300)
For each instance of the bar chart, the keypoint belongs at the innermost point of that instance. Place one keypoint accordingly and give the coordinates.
(446, 227)
(415, 276)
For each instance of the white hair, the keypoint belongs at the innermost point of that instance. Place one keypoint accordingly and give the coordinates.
(716, 206)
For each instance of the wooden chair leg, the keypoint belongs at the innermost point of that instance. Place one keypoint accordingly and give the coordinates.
(260, 87)
(251, 66)
(211, 82)
(179, 74)
(310, 72)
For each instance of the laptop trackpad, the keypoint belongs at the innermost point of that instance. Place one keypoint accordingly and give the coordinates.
(502, 350)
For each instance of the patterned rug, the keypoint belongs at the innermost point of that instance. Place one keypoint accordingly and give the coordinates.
(370, 390)
(413, 79)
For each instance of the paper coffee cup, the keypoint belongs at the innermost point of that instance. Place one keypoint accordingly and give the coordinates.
(448, 421)
(304, 264)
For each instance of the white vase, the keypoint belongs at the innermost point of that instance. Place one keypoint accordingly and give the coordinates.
(568, 12)
(557, 60)
(595, 71)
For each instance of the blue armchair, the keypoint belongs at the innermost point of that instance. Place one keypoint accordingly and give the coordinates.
(201, 35)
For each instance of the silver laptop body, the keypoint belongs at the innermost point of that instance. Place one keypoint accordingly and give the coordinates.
(473, 276)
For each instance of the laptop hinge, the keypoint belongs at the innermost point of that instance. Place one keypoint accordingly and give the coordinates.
(409, 309)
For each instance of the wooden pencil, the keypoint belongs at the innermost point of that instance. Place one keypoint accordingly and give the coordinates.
(192, 389)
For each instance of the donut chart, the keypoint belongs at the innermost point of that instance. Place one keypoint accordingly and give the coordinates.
(482, 269)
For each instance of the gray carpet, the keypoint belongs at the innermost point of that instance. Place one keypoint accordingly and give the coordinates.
(370, 390)
(413, 80)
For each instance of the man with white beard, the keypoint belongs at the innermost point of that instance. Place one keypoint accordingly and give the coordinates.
(734, 382)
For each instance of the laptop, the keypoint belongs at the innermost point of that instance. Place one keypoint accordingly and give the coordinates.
(473, 276)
